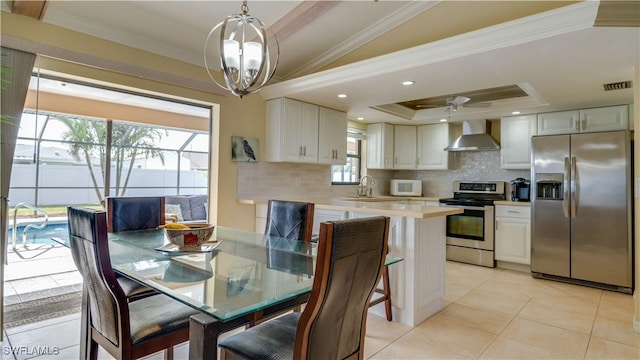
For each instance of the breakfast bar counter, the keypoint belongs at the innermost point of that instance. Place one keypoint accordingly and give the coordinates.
(416, 234)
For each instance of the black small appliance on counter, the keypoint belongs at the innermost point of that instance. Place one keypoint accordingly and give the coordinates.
(520, 189)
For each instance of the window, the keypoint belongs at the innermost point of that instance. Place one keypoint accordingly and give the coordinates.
(349, 174)
(65, 158)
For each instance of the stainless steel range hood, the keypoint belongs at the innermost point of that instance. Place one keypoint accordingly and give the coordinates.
(475, 137)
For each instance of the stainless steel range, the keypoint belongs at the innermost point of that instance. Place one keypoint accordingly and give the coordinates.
(470, 235)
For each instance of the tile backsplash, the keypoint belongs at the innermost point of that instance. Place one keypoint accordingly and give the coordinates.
(265, 180)
(467, 165)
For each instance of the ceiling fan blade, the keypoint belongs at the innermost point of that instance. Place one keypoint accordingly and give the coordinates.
(458, 100)
(478, 105)
(428, 106)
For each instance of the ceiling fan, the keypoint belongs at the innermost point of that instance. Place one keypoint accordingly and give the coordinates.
(453, 103)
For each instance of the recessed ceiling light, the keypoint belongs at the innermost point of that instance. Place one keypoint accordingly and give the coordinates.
(515, 112)
(443, 120)
(408, 82)
(359, 118)
(342, 96)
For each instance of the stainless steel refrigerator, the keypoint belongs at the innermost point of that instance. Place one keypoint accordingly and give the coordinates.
(581, 209)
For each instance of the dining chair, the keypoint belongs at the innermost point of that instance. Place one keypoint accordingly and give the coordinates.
(126, 330)
(351, 255)
(134, 213)
(290, 220)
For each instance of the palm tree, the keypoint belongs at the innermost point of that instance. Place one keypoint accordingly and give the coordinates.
(87, 138)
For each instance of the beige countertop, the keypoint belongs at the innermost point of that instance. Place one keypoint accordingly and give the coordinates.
(513, 203)
(383, 207)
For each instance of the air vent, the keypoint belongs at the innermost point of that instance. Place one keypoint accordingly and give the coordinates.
(617, 86)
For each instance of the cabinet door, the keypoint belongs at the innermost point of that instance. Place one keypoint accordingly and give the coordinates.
(432, 139)
(515, 141)
(513, 240)
(332, 139)
(563, 122)
(379, 146)
(404, 147)
(290, 130)
(604, 119)
(308, 134)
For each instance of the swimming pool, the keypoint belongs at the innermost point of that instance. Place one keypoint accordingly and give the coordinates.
(40, 236)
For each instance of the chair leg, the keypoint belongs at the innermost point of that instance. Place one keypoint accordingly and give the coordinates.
(168, 353)
(386, 294)
(386, 290)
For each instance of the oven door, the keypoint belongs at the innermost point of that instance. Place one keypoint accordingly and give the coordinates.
(473, 228)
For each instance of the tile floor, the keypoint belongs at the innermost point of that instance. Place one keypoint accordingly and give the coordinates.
(488, 314)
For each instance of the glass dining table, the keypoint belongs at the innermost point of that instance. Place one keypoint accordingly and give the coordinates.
(235, 279)
(238, 278)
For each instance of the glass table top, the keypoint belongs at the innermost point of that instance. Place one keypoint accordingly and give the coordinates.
(245, 273)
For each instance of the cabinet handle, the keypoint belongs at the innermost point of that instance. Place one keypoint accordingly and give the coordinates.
(300, 150)
(497, 225)
(305, 150)
(584, 123)
(395, 161)
(513, 212)
(577, 124)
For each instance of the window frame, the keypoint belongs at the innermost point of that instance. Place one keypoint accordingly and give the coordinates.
(358, 156)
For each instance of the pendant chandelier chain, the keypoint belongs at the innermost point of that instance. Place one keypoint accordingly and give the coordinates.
(245, 7)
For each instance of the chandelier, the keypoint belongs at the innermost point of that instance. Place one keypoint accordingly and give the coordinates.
(245, 58)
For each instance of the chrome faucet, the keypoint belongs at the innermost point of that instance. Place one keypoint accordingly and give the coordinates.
(367, 190)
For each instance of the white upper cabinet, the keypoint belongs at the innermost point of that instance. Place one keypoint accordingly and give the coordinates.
(294, 133)
(604, 119)
(379, 146)
(585, 120)
(432, 139)
(562, 122)
(404, 148)
(332, 145)
(515, 141)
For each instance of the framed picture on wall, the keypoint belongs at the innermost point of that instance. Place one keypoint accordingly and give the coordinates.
(245, 149)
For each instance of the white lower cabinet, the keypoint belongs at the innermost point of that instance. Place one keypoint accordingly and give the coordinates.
(320, 216)
(513, 234)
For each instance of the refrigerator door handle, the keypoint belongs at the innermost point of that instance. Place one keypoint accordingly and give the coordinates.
(573, 186)
(565, 185)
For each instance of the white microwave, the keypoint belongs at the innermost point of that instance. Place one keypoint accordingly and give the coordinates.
(401, 187)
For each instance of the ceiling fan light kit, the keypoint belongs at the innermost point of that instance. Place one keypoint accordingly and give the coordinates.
(245, 58)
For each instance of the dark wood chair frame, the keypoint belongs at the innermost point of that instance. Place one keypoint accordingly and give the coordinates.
(318, 294)
(133, 289)
(308, 226)
(92, 338)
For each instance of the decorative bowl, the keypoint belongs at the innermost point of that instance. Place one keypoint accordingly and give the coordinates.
(195, 235)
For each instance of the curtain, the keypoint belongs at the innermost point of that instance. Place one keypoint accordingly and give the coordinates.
(17, 67)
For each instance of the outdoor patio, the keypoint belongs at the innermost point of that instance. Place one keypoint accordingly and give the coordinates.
(41, 282)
